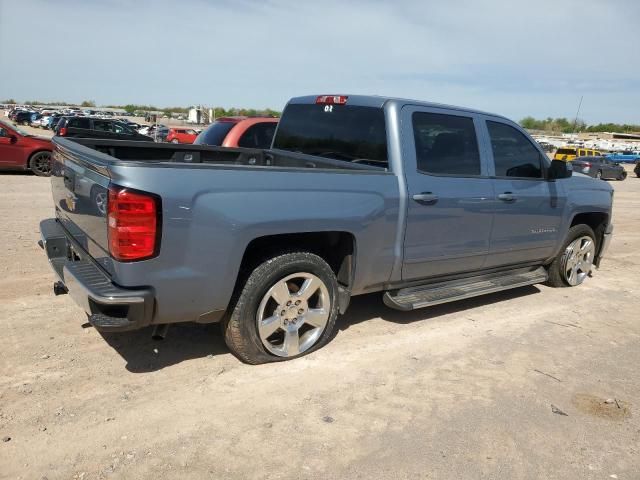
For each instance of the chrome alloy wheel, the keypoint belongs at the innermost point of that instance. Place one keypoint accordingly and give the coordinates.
(101, 202)
(578, 259)
(293, 314)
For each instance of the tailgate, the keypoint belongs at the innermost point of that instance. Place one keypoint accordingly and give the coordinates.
(80, 194)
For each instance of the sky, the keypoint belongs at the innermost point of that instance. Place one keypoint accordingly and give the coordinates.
(515, 58)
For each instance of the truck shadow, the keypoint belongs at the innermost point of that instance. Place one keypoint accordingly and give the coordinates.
(187, 341)
(367, 307)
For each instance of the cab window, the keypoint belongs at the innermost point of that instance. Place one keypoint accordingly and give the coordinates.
(513, 154)
(445, 144)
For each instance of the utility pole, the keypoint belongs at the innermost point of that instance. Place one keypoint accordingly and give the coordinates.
(575, 122)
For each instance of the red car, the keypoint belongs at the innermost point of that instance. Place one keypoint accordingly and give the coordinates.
(255, 132)
(181, 135)
(20, 150)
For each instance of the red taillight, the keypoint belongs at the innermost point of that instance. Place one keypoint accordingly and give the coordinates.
(587, 164)
(132, 219)
(63, 131)
(331, 100)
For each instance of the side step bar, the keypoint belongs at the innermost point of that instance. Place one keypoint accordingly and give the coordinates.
(452, 290)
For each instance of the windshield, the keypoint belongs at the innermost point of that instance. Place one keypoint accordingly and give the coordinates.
(340, 132)
(214, 134)
(15, 128)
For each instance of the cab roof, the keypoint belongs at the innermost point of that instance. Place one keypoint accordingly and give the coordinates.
(381, 101)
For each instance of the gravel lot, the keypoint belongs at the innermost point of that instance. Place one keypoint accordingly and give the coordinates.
(464, 390)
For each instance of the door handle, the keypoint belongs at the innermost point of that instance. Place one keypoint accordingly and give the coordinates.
(507, 197)
(426, 198)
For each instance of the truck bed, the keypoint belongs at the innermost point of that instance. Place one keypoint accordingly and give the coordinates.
(104, 153)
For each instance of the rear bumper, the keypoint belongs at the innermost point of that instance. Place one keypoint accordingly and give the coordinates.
(606, 240)
(109, 307)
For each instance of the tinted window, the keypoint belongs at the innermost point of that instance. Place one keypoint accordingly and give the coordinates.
(258, 135)
(445, 144)
(341, 132)
(121, 128)
(102, 126)
(3, 132)
(78, 123)
(514, 155)
(214, 134)
(566, 151)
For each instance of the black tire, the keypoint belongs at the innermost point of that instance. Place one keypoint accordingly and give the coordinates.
(622, 176)
(556, 277)
(599, 174)
(241, 326)
(40, 163)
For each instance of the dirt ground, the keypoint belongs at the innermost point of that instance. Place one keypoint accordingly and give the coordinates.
(525, 384)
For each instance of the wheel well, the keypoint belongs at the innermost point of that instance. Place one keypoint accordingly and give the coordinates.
(35, 153)
(596, 220)
(336, 248)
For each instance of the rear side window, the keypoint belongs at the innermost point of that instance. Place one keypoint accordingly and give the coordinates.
(259, 135)
(445, 144)
(103, 125)
(214, 134)
(341, 132)
(77, 122)
(514, 155)
(122, 128)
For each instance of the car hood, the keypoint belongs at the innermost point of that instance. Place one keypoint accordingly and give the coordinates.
(40, 138)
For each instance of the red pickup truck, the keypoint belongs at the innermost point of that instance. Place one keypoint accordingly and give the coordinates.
(233, 132)
(20, 150)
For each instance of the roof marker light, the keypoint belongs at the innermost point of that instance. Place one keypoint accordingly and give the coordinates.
(331, 100)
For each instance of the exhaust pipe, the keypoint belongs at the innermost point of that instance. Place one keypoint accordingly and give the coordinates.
(59, 288)
(160, 331)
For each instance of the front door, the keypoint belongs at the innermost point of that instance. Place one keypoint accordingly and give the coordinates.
(11, 154)
(449, 193)
(528, 208)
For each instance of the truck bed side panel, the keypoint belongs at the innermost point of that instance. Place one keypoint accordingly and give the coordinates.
(210, 215)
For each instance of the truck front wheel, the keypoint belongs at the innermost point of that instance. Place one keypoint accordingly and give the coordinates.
(573, 264)
(287, 308)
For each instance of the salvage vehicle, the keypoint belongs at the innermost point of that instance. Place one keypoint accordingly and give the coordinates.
(599, 167)
(626, 156)
(181, 135)
(247, 132)
(422, 202)
(87, 127)
(569, 153)
(20, 150)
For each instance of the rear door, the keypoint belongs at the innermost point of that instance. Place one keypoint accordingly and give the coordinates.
(528, 208)
(450, 193)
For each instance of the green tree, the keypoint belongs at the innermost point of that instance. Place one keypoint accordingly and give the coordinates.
(88, 103)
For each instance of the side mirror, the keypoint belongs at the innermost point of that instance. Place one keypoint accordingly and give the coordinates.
(559, 169)
(13, 139)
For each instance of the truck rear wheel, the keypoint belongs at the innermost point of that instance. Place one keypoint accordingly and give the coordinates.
(573, 264)
(287, 308)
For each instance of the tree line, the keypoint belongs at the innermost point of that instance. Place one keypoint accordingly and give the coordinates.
(562, 125)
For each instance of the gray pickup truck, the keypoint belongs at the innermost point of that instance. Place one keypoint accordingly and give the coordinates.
(425, 203)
